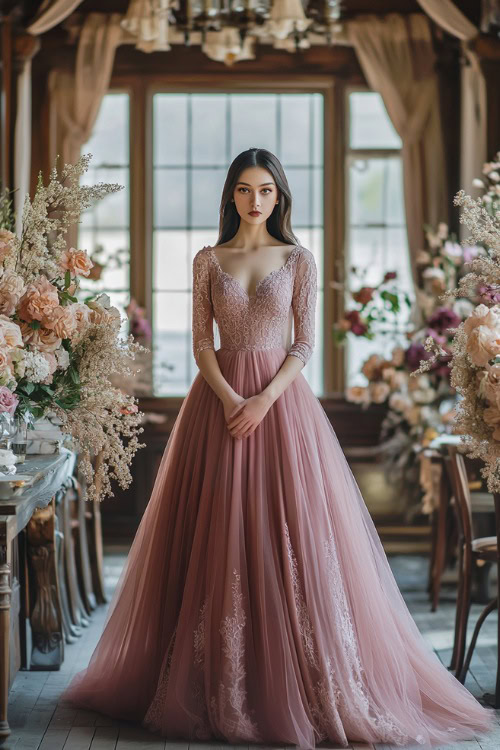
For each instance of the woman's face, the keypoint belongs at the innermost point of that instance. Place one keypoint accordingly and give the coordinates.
(255, 195)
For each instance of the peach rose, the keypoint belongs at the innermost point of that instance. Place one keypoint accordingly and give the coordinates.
(6, 239)
(379, 392)
(491, 416)
(82, 315)
(5, 362)
(372, 366)
(39, 300)
(12, 288)
(62, 321)
(489, 384)
(358, 394)
(398, 356)
(482, 316)
(77, 262)
(44, 340)
(100, 315)
(10, 333)
(483, 344)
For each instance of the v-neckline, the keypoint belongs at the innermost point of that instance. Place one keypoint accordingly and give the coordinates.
(260, 281)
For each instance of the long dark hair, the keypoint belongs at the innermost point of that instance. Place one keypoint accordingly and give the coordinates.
(279, 223)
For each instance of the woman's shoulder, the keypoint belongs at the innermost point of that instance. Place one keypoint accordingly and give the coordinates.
(202, 255)
(304, 254)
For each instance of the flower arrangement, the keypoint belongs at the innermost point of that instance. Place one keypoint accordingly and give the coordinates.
(372, 305)
(475, 361)
(57, 354)
(419, 408)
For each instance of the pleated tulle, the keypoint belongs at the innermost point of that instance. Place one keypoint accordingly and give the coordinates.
(256, 603)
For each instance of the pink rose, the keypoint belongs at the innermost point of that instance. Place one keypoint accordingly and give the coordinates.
(62, 321)
(8, 400)
(38, 301)
(76, 261)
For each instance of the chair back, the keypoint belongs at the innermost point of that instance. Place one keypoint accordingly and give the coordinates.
(460, 485)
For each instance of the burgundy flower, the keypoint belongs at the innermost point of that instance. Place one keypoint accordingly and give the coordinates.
(443, 319)
(390, 275)
(357, 326)
(414, 354)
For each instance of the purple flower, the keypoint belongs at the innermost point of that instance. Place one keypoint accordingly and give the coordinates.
(490, 294)
(443, 319)
(471, 252)
(8, 400)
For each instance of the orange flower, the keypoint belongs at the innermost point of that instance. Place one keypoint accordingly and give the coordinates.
(76, 261)
(38, 301)
(62, 321)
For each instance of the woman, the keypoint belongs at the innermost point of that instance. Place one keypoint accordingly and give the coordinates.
(256, 603)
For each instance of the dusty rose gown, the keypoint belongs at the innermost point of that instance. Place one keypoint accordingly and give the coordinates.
(256, 603)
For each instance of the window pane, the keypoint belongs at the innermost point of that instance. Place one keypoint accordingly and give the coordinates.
(172, 342)
(209, 124)
(376, 191)
(253, 122)
(109, 142)
(170, 129)
(206, 191)
(170, 206)
(104, 231)
(376, 235)
(370, 125)
(186, 203)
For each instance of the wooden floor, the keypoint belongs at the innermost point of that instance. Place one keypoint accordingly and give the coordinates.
(38, 723)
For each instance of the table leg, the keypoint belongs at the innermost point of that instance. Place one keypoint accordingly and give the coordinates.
(46, 613)
(5, 599)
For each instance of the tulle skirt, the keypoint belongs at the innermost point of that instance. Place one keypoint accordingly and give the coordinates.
(256, 603)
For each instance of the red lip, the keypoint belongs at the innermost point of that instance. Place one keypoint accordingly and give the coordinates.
(254, 213)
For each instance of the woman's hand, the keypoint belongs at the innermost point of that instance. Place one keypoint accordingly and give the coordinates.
(247, 415)
(230, 403)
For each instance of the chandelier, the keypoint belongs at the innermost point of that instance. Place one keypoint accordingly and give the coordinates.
(228, 29)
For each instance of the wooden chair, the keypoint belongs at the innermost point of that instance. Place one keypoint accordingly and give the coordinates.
(471, 550)
(443, 530)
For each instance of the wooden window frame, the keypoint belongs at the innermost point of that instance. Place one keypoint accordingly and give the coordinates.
(141, 90)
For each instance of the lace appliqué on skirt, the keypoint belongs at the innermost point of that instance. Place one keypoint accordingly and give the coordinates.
(227, 708)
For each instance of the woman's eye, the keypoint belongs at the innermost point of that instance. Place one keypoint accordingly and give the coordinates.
(241, 189)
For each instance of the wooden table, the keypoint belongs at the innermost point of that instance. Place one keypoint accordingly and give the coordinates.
(28, 555)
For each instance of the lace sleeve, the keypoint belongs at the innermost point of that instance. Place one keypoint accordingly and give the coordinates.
(304, 306)
(203, 317)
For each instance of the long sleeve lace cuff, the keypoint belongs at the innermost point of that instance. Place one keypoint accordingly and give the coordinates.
(304, 297)
(203, 316)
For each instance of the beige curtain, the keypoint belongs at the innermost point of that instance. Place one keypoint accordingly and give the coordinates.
(50, 14)
(473, 92)
(76, 97)
(397, 58)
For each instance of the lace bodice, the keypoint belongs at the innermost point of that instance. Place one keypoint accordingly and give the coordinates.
(259, 321)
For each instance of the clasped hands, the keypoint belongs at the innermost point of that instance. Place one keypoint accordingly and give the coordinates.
(243, 415)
